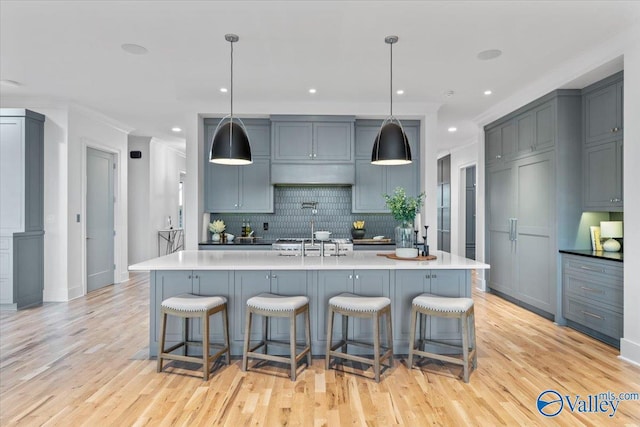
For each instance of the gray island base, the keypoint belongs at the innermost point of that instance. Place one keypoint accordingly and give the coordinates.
(239, 275)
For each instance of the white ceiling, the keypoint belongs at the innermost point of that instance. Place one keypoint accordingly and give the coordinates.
(69, 51)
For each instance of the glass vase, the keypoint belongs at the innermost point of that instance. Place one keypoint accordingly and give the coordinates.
(405, 241)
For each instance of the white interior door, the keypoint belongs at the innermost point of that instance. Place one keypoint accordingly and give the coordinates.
(100, 225)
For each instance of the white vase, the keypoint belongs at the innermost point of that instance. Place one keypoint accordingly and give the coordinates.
(215, 237)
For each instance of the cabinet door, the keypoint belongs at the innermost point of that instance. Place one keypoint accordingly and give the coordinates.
(601, 112)
(333, 141)
(221, 188)
(292, 141)
(493, 145)
(603, 176)
(247, 285)
(406, 176)
(259, 132)
(534, 231)
(509, 134)
(167, 284)
(447, 283)
(369, 187)
(365, 137)
(500, 207)
(290, 283)
(545, 126)
(526, 125)
(256, 191)
(330, 284)
(212, 283)
(408, 285)
(374, 283)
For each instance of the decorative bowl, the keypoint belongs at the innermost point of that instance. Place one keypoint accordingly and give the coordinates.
(322, 235)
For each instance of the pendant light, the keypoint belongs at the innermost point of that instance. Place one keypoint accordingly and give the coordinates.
(230, 143)
(391, 146)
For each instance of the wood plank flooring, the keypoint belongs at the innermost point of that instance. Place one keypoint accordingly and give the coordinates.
(83, 363)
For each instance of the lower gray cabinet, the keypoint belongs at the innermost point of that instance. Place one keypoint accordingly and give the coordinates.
(411, 283)
(360, 282)
(248, 284)
(593, 296)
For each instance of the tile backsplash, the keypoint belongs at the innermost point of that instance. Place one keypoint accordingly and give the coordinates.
(290, 220)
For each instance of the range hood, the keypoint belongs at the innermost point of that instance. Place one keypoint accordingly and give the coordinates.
(295, 174)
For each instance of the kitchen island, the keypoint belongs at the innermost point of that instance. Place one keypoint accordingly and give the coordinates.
(239, 275)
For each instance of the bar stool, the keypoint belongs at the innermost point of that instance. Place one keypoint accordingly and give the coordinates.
(272, 305)
(189, 306)
(350, 305)
(455, 308)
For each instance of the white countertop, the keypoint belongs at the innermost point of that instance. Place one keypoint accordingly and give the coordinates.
(269, 260)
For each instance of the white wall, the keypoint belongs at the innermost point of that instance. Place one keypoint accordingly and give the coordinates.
(139, 243)
(89, 129)
(630, 343)
(461, 158)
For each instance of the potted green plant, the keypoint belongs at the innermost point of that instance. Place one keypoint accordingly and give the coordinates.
(404, 209)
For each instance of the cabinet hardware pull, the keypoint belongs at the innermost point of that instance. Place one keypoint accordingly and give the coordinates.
(351, 276)
(498, 156)
(586, 313)
(615, 130)
(427, 276)
(314, 154)
(310, 155)
(357, 277)
(189, 277)
(267, 277)
(590, 289)
(434, 276)
(598, 270)
(274, 276)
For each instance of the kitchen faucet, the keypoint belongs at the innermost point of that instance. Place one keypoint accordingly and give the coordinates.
(314, 210)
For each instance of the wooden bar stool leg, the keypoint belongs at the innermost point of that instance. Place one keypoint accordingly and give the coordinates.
(329, 337)
(308, 334)
(265, 332)
(423, 331)
(292, 343)
(465, 345)
(376, 345)
(389, 336)
(345, 331)
(185, 325)
(163, 326)
(247, 335)
(205, 344)
(412, 335)
(225, 325)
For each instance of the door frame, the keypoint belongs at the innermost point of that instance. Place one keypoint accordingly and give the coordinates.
(90, 143)
(462, 211)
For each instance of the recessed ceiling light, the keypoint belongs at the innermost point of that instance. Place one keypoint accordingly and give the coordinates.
(224, 90)
(487, 92)
(486, 55)
(176, 129)
(134, 49)
(312, 90)
(400, 92)
(11, 83)
(452, 129)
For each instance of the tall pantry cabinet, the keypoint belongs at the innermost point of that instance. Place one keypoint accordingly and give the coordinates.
(21, 208)
(533, 182)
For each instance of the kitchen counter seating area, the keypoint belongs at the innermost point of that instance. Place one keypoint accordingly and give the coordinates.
(240, 275)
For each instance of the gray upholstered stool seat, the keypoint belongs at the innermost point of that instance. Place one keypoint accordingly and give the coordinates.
(351, 305)
(272, 305)
(188, 306)
(437, 306)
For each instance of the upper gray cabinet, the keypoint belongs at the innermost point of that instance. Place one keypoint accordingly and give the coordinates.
(603, 145)
(240, 189)
(312, 139)
(602, 106)
(372, 181)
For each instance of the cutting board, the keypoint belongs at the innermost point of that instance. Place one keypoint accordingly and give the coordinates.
(384, 241)
(418, 258)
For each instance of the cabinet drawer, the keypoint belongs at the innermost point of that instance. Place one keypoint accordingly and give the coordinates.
(606, 271)
(592, 288)
(598, 319)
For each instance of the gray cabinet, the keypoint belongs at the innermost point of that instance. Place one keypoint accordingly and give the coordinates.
(167, 284)
(603, 145)
(603, 178)
(360, 282)
(21, 208)
(500, 142)
(603, 110)
(524, 223)
(312, 139)
(237, 189)
(372, 181)
(593, 296)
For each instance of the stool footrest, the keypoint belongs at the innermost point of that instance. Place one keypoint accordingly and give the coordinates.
(386, 353)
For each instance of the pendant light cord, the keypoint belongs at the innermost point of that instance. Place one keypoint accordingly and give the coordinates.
(231, 80)
(391, 79)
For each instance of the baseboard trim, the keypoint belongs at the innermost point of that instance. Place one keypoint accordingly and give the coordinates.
(630, 351)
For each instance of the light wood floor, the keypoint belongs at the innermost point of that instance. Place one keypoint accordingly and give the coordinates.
(83, 363)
